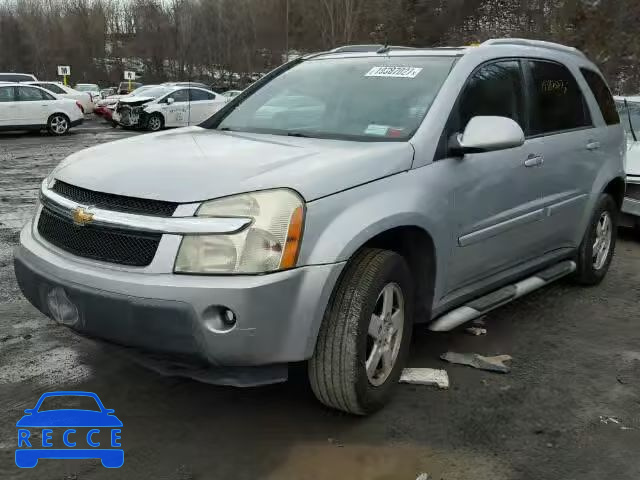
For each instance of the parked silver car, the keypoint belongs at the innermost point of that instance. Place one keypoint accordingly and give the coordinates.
(431, 185)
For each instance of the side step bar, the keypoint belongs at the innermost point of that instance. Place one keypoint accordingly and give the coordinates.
(482, 305)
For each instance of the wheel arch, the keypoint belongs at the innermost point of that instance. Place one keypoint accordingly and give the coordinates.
(616, 188)
(416, 245)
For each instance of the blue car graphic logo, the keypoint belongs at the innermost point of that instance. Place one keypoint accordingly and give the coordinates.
(36, 433)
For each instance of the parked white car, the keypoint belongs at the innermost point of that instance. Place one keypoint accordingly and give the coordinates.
(168, 106)
(27, 107)
(85, 98)
(90, 88)
(230, 94)
(16, 77)
(629, 110)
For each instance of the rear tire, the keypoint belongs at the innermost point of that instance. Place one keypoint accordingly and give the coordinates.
(58, 124)
(362, 344)
(598, 246)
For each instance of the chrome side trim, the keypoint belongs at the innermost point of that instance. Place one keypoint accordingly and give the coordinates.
(144, 223)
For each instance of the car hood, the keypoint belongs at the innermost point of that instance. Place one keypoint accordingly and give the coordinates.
(632, 166)
(69, 418)
(194, 164)
(136, 99)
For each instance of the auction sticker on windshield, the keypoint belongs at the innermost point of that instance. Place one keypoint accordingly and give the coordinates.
(394, 72)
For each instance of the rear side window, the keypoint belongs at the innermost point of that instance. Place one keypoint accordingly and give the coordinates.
(557, 103)
(52, 87)
(493, 90)
(196, 95)
(603, 96)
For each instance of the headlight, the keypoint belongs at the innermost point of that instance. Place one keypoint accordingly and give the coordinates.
(270, 243)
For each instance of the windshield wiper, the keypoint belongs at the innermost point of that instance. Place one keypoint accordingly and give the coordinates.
(298, 134)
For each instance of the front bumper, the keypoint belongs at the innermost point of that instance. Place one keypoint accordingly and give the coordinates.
(278, 315)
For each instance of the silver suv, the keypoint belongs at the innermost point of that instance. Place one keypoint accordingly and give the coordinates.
(330, 206)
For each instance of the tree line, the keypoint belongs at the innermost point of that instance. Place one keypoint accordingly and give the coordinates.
(198, 39)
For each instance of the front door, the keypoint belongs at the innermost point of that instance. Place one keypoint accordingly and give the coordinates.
(496, 204)
(33, 106)
(176, 114)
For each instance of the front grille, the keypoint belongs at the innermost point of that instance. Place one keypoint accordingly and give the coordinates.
(99, 243)
(633, 191)
(109, 201)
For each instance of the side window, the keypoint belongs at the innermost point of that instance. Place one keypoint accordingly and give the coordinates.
(52, 87)
(180, 96)
(6, 94)
(557, 103)
(30, 94)
(493, 90)
(198, 95)
(603, 96)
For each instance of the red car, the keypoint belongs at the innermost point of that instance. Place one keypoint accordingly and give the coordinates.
(104, 112)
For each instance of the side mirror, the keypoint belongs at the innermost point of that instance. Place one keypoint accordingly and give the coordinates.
(170, 100)
(488, 134)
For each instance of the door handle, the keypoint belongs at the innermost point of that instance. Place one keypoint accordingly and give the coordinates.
(534, 161)
(593, 146)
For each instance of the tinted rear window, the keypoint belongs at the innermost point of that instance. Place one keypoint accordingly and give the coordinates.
(557, 101)
(603, 96)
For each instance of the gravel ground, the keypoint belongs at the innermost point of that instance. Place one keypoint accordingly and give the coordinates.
(576, 366)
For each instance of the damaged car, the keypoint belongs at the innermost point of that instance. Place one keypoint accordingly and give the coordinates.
(167, 106)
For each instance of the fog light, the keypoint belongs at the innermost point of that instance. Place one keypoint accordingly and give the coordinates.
(228, 317)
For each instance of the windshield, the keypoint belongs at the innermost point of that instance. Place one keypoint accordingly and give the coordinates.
(86, 88)
(153, 92)
(369, 99)
(630, 117)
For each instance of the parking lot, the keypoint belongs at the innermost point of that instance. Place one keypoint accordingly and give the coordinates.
(569, 408)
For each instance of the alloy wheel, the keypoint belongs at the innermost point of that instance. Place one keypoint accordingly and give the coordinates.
(384, 335)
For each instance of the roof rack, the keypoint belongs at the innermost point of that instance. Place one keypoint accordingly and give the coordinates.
(534, 43)
(367, 48)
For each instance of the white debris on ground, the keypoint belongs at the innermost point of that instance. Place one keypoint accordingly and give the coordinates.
(492, 364)
(423, 476)
(616, 421)
(476, 331)
(425, 376)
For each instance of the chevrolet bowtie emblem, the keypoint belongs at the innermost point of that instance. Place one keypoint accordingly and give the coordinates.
(81, 217)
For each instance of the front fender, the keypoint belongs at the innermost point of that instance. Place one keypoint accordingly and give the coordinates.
(338, 225)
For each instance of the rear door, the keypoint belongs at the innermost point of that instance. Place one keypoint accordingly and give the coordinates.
(563, 135)
(497, 210)
(8, 106)
(202, 105)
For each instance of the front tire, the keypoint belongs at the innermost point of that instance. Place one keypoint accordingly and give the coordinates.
(598, 246)
(58, 124)
(155, 122)
(364, 338)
